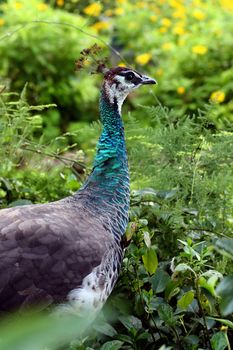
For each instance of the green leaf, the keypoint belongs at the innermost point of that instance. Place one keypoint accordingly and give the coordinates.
(147, 240)
(131, 322)
(208, 286)
(106, 329)
(192, 339)
(171, 290)
(225, 246)
(112, 345)
(131, 228)
(219, 341)
(150, 260)
(186, 300)
(164, 347)
(184, 267)
(160, 280)
(224, 290)
(165, 312)
(223, 321)
(19, 202)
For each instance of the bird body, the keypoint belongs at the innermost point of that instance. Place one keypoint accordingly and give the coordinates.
(69, 251)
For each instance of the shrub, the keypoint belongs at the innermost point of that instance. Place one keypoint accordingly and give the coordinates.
(44, 55)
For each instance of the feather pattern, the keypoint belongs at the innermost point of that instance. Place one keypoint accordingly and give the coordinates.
(69, 251)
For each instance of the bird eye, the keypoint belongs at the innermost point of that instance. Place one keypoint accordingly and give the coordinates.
(129, 76)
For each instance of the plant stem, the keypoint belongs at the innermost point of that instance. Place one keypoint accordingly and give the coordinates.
(206, 332)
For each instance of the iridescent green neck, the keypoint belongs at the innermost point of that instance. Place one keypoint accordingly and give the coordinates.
(108, 184)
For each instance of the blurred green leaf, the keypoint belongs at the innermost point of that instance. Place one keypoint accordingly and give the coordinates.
(150, 260)
(183, 267)
(186, 300)
(166, 314)
(131, 322)
(219, 341)
(106, 329)
(112, 345)
(224, 289)
(223, 321)
(225, 246)
(160, 280)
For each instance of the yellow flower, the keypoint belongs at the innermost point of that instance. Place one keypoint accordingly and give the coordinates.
(180, 13)
(227, 4)
(121, 64)
(93, 9)
(143, 59)
(2, 22)
(42, 6)
(167, 46)
(108, 13)
(153, 18)
(179, 30)
(174, 3)
(159, 72)
(98, 26)
(162, 29)
(121, 1)
(180, 90)
(60, 3)
(199, 15)
(217, 96)
(166, 22)
(199, 49)
(141, 4)
(119, 11)
(18, 5)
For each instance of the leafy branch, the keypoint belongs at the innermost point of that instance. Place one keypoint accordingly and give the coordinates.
(81, 30)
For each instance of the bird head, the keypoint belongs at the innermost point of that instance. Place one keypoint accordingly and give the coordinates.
(120, 81)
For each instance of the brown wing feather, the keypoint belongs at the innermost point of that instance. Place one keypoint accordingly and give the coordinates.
(46, 251)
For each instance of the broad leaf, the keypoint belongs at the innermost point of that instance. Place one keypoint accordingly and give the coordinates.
(106, 329)
(186, 300)
(224, 289)
(150, 260)
(131, 322)
(223, 321)
(225, 246)
(166, 314)
(219, 341)
(19, 202)
(112, 345)
(147, 240)
(183, 267)
(160, 280)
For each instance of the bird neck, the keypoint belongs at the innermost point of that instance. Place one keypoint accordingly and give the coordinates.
(108, 183)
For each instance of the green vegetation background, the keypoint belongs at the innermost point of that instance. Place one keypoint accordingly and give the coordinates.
(175, 288)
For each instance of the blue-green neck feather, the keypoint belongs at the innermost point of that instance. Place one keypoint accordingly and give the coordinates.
(108, 184)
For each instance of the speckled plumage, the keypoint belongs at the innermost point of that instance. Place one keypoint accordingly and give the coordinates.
(69, 252)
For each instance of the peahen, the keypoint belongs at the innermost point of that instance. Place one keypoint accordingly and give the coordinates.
(70, 251)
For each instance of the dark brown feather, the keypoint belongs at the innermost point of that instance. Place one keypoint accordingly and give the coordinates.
(46, 251)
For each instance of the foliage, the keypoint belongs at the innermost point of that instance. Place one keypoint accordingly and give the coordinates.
(23, 178)
(188, 166)
(175, 287)
(53, 50)
(185, 45)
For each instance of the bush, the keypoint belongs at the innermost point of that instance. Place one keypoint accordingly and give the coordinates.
(47, 61)
(175, 287)
(186, 47)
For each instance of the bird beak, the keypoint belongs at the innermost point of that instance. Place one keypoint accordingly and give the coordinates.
(147, 80)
